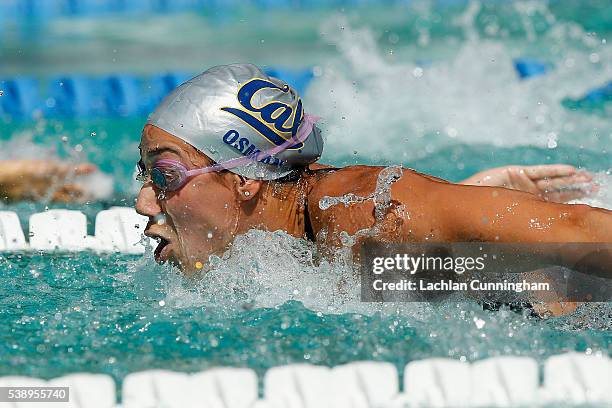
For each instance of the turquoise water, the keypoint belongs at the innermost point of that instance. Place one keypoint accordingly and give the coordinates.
(438, 93)
(61, 314)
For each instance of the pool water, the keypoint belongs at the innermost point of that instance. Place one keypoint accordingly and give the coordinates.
(117, 314)
(438, 94)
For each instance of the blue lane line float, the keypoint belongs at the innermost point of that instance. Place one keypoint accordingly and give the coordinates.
(135, 6)
(20, 97)
(596, 99)
(89, 7)
(177, 5)
(159, 86)
(297, 78)
(45, 10)
(529, 68)
(119, 95)
(122, 95)
(39, 10)
(75, 96)
(599, 95)
(8, 10)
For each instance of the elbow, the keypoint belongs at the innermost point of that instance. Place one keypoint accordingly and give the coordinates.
(590, 224)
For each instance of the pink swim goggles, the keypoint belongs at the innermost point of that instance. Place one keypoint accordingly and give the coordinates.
(171, 175)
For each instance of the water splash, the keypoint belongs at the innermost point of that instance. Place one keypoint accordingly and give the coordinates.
(397, 109)
(266, 269)
(381, 196)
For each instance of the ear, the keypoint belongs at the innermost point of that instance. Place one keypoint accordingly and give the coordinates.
(246, 188)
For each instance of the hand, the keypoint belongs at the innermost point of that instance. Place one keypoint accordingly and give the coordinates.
(42, 179)
(555, 309)
(554, 182)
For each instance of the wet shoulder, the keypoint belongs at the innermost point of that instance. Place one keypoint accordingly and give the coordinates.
(356, 198)
(363, 181)
(358, 180)
(344, 200)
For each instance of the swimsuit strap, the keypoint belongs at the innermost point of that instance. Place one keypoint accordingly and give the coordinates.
(308, 229)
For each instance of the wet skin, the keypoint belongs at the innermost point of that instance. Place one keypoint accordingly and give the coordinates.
(205, 215)
(41, 180)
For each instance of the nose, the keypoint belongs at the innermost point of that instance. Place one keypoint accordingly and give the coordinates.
(146, 203)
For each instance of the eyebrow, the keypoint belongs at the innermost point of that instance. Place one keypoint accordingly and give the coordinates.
(159, 150)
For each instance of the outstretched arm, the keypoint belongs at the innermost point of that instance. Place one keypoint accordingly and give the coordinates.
(503, 215)
(38, 179)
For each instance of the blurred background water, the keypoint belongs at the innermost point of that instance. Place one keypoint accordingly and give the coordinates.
(446, 87)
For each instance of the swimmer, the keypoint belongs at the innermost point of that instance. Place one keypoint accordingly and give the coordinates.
(232, 150)
(36, 180)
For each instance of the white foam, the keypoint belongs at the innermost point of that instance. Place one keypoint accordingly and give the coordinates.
(393, 109)
(603, 197)
(95, 186)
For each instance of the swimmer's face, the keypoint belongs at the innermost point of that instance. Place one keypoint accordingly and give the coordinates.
(195, 221)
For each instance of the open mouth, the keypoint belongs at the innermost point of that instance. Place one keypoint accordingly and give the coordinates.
(163, 243)
(160, 251)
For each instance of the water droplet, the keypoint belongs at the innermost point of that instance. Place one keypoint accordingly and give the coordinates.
(552, 140)
(160, 219)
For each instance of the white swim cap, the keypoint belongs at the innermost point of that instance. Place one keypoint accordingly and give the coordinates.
(234, 111)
